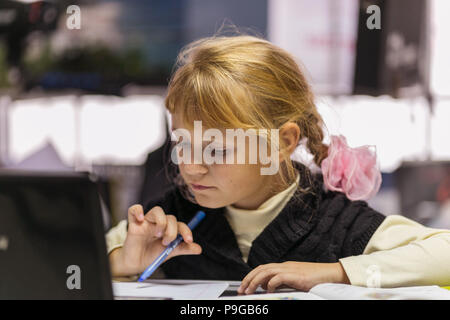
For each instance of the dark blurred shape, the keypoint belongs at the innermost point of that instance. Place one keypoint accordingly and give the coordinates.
(118, 43)
(18, 19)
(393, 57)
(158, 170)
(424, 188)
(119, 186)
(203, 18)
(49, 222)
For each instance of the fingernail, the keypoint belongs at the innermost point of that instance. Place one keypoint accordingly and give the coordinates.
(247, 291)
(189, 239)
(159, 234)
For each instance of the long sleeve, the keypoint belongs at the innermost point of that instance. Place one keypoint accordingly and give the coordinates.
(116, 236)
(402, 252)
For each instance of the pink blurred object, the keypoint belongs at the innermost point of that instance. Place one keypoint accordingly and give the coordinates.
(353, 171)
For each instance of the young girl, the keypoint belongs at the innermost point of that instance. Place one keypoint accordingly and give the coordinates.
(291, 228)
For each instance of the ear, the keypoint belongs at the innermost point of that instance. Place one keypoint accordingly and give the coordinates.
(290, 136)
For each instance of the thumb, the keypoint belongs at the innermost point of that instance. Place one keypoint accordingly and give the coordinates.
(187, 248)
(136, 214)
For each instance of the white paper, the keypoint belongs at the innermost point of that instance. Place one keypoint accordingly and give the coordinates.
(183, 291)
(276, 296)
(335, 291)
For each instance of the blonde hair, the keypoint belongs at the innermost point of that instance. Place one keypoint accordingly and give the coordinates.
(245, 82)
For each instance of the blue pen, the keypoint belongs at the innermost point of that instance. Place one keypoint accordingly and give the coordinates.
(151, 268)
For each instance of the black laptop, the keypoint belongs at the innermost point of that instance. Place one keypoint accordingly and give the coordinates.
(52, 243)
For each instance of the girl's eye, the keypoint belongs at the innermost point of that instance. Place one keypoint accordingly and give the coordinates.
(219, 151)
(216, 151)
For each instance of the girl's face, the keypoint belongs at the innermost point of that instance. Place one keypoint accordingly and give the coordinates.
(218, 185)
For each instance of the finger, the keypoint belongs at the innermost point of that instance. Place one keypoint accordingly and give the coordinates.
(285, 279)
(185, 232)
(135, 214)
(249, 277)
(157, 217)
(275, 282)
(171, 230)
(187, 248)
(260, 279)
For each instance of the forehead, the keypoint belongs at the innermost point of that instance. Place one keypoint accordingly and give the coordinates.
(178, 122)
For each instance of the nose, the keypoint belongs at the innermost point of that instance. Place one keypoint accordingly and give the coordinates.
(194, 169)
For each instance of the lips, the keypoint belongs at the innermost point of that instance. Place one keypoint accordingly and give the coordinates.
(200, 187)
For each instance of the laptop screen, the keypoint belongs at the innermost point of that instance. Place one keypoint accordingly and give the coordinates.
(51, 238)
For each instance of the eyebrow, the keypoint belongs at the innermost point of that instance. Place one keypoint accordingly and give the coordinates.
(219, 144)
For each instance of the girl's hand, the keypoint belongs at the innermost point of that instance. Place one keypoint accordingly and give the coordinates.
(299, 275)
(147, 236)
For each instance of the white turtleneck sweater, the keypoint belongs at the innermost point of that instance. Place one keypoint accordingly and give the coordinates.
(248, 224)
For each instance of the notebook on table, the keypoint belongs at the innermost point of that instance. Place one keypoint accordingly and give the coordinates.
(334, 291)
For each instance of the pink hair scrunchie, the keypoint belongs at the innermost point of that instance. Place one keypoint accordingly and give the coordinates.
(352, 171)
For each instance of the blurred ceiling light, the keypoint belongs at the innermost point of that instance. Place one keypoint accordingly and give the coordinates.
(121, 130)
(394, 126)
(30, 1)
(440, 48)
(35, 122)
(89, 129)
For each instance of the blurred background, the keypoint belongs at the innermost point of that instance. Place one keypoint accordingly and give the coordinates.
(82, 86)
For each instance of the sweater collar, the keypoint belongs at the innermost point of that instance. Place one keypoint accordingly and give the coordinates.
(243, 221)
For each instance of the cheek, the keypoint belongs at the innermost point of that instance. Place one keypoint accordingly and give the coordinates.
(235, 178)
(181, 168)
(223, 175)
